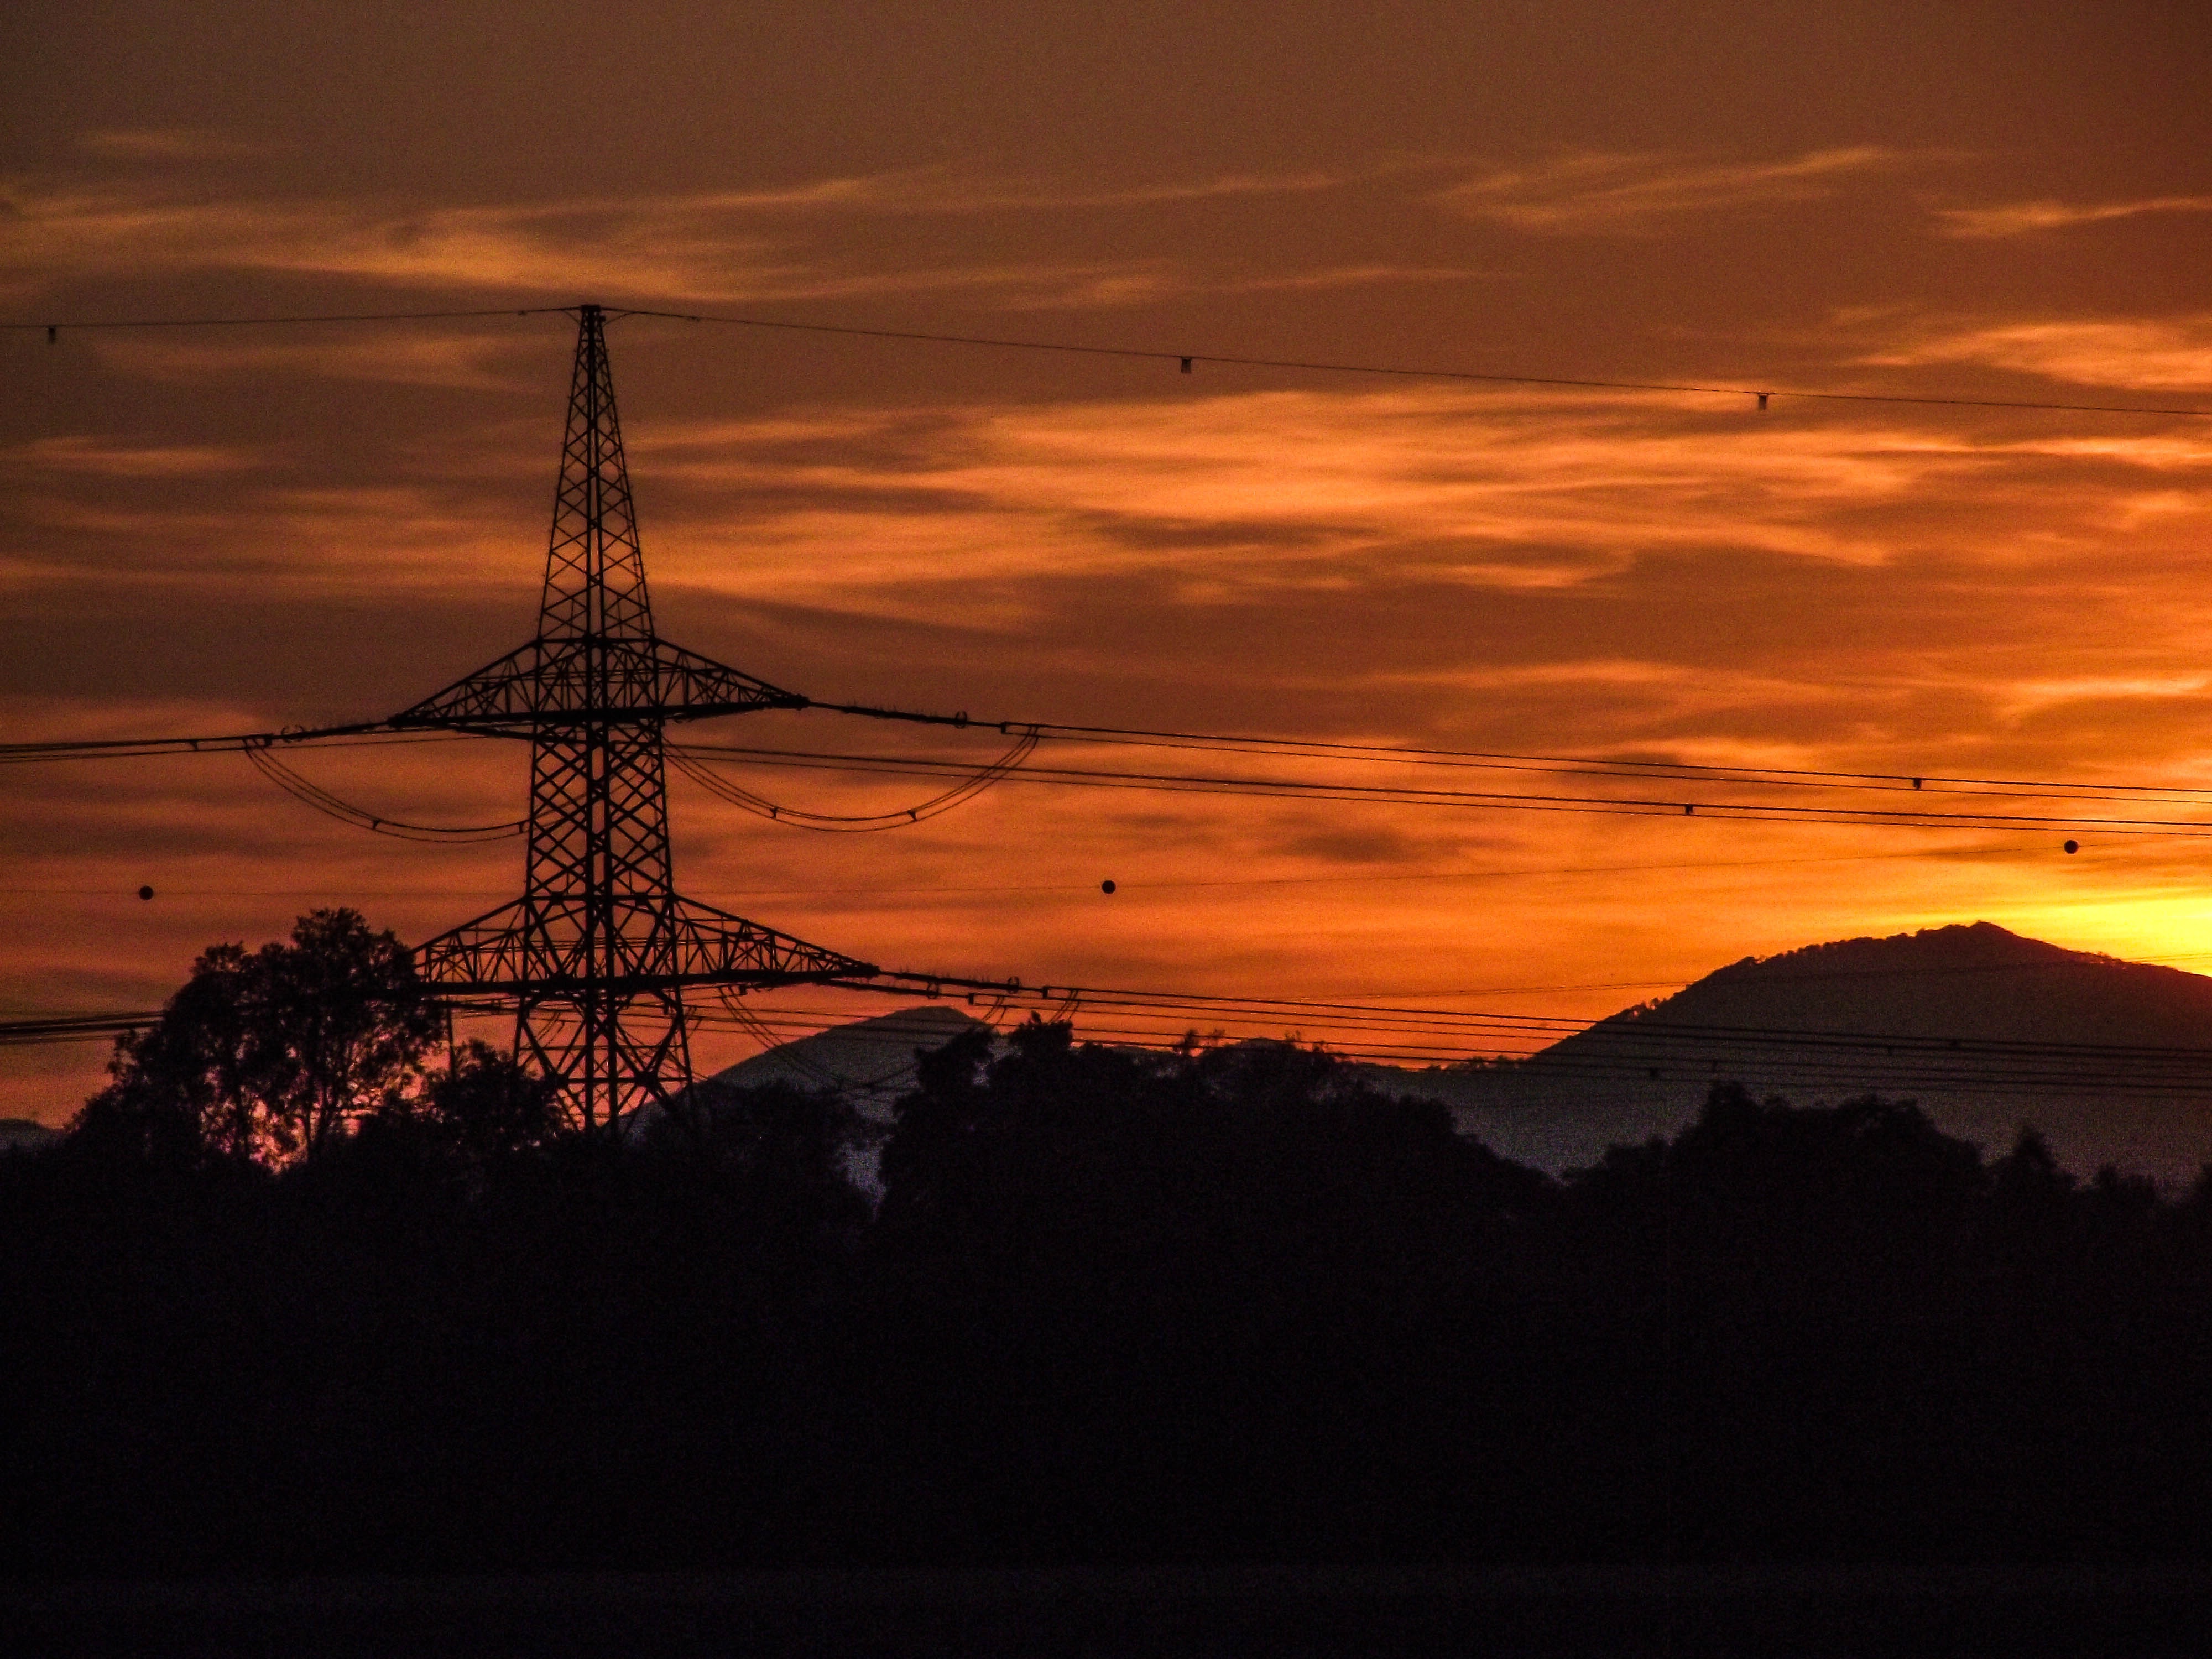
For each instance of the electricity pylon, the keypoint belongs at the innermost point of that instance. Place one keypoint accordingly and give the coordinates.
(598, 952)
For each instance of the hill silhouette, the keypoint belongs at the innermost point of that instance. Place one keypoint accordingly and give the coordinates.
(1993, 1032)
(1988, 1018)
(871, 1061)
(1973, 980)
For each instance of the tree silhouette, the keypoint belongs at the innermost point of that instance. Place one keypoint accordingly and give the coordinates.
(487, 1104)
(270, 1055)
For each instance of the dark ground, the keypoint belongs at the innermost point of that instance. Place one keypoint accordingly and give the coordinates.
(1122, 1332)
(1280, 1613)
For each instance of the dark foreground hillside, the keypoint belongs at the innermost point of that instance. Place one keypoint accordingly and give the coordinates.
(1115, 1310)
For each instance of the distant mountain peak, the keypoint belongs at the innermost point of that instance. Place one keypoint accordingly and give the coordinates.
(870, 1059)
(1963, 945)
(1998, 1031)
(1905, 979)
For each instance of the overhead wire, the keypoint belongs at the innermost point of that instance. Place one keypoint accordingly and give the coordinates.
(1189, 361)
(688, 762)
(1376, 1016)
(1514, 1048)
(1628, 766)
(1186, 360)
(54, 328)
(361, 734)
(322, 800)
(1413, 795)
(370, 733)
(1017, 766)
(1629, 1050)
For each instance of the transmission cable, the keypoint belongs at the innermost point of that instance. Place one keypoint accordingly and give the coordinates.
(373, 733)
(1809, 1059)
(357, 734)
(1626, 766)
(1283, 788)
(54, 330)
(1188, 361)
(1633, 1049)
(312, 795)
(687, 761)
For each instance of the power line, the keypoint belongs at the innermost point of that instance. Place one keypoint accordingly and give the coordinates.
(1184, 1002)
(1188, 361)
(854, 822)
(1324, 748)
(1124, 884)
(357, 735)
(1281, 788)
(1617, 1050)
(975, 779)
(1625, 1049)
(1403, 1037)
(1376, 1016)
(312, 795)
(52, 330)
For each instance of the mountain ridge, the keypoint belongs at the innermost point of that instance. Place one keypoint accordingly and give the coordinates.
(1998, 1032)
(2026, 1017)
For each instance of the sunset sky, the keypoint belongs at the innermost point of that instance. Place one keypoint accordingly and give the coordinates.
(228, 529)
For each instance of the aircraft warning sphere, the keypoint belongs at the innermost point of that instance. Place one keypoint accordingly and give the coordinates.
(145, 892)
(1106, 886)
(2073, 846)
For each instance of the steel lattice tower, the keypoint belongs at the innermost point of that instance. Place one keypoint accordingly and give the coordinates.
(598, 950)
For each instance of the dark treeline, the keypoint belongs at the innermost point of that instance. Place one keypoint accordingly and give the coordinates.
(1225, 1306)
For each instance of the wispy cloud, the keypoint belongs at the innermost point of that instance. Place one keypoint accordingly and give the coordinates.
(159, 145)
(1299, 492)
(937, 190)
(2151, 354)
(107, 458)
(2027, 218)
(1161, 281)
(1631, 194)
(724, 247)
(450, 357)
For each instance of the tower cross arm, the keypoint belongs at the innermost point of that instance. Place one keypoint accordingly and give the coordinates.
(534, 951)
(593, 680)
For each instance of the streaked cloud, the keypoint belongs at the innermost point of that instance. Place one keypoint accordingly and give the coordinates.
(165, 144)
(725, 247)
(109, 459)
(2030, 218)
(1272, 491)
(2153, 354)
(480, 360)
(1632, 194)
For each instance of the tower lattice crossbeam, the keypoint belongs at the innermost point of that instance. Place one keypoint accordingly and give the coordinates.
(597, 953)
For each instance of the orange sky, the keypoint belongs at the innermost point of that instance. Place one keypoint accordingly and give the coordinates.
(217, 529)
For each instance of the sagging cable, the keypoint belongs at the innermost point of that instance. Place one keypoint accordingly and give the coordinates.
(687, 763)
(322, 800)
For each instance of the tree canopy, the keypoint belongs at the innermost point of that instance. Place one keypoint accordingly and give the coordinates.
(270, 1054)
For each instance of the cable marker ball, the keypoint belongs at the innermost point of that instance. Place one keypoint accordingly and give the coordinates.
(145, 892)
(2073, 846)
(1105, 886)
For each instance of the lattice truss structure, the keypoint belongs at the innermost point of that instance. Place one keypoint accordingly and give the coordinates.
(597, 954)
